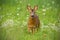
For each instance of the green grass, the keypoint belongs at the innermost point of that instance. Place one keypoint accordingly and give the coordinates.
(14, 18)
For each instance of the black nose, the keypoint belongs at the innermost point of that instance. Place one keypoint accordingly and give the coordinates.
(32, 16)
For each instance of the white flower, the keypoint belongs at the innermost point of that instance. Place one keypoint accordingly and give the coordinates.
(53, 2)
(8, 23)
(18, 8)
(20, 1)
(44, 10)
(17, 13)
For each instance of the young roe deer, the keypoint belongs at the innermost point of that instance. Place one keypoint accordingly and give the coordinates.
(33, 22)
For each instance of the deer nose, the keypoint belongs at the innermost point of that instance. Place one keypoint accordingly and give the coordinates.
(32, 16)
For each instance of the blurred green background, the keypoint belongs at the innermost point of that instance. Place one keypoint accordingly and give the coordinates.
(14, 18)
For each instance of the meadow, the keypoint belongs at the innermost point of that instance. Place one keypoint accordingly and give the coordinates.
(14, 17)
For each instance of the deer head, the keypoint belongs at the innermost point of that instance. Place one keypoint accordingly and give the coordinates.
(32, 10)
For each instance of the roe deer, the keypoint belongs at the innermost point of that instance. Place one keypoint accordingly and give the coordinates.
(33, 21)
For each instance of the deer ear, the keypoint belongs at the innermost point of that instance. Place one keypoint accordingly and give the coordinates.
(29, 8)
(35, 7)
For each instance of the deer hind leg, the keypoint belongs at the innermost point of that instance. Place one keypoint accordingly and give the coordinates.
(38, 26)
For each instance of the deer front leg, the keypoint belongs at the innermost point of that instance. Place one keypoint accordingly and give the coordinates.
(33, 30)
(28, 29)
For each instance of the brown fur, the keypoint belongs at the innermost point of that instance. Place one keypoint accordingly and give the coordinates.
(33, 23)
